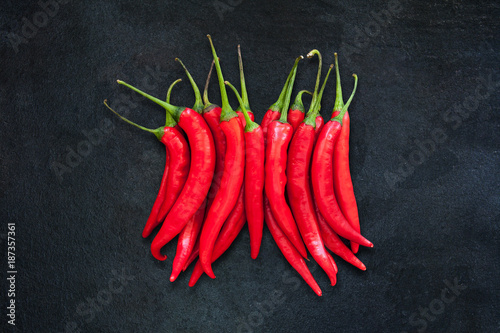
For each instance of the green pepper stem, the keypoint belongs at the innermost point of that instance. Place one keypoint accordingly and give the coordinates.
(244, 94)
(340, 116)
(339, 102)
(226, 110)
(250, 125)
(158, 132)
(198, 104)
(173, 110)
(279, 103)
(289, 88)
(314, 109)
(169, 91)
(318, 76)
(320, 95)
(297, 104)
(205, 91)
(169, 121)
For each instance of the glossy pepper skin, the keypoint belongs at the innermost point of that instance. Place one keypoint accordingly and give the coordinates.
(187, 239)
(288, 249)
(301, 199)
(322, 180)
(179, 161)
(254, 187)
(232, 177)
(334, 243)
(228, 234)
(342, 181)
(278, 138)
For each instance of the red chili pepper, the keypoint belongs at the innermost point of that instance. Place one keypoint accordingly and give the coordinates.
(152, 221)
(297, 112)
(200, 173)
(175, 188)
(334, 243)
(288, 249)
(227, 235)
(232, 178)
(298, 185)
(177, 166)
(273, 113)
(279, 135)
(254, 168)
(322, 178)
(342, 181)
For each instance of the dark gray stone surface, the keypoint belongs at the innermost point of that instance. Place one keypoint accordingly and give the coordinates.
(429, 77)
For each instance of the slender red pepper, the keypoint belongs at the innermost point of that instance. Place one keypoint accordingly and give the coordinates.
(342, 182)
(176, 173)
(200, 174)
(254, 178)
(174, 190)
(296, 113)
(273, 113)
(322, 178)
(299, 190)
(334, 243)
(288, 249)
(227, 235)
(152, 222)
(232, 177)
(279, 135)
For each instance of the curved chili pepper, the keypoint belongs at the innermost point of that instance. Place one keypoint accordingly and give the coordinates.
(200, 174)
(152, 221)
(334, 243)
(175, 189)
(254, 178)
(288, 249)
(342, 181)
(279, 135)
(296, 113)
(273, 113)
(227, 235)
(176, 170)
(187, 239)
(299, 190)
(322, 178)
(232, 177)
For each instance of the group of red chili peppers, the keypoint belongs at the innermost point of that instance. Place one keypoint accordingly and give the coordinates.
(291, 171)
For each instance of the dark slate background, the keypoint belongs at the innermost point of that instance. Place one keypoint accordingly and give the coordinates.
(429, 77)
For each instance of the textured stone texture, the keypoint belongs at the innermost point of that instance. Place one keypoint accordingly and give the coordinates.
(433, 220)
